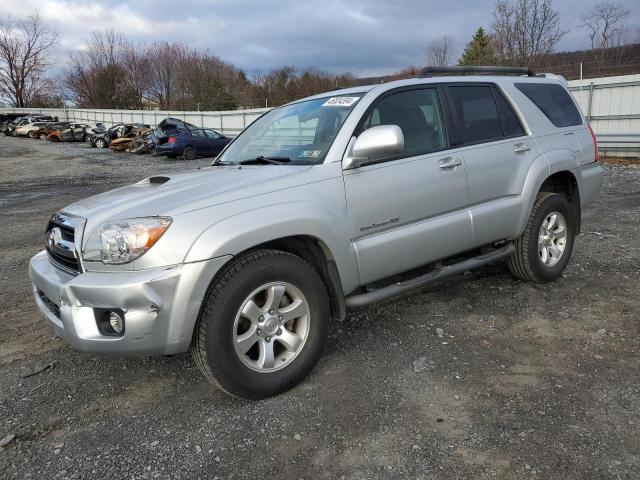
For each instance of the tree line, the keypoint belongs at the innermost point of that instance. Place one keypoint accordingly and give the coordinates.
(112, 71)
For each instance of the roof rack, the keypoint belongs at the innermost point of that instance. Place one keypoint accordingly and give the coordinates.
(429, 71)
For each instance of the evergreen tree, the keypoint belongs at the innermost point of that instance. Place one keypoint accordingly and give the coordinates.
(478, 51)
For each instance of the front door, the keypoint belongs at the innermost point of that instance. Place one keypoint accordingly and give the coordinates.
(411, 209)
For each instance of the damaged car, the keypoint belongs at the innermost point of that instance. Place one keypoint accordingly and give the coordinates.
(121, 130)
(73, 132)
(43, 132)
(189, 144)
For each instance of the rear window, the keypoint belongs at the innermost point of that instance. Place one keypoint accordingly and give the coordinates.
(554, 101)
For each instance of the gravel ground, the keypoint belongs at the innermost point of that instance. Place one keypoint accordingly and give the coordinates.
(481, 376)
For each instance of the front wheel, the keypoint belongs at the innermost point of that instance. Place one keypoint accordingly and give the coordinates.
(263, 325)
(544, 249)
(100, 143)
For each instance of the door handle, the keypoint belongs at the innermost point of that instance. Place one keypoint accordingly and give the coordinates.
(449, 162)
(521, 147)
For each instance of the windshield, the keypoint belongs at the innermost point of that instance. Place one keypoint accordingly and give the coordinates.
(301, 133)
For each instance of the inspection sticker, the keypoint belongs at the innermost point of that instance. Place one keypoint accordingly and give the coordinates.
(310, 154)
(340, 101)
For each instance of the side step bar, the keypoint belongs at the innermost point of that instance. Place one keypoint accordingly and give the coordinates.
(395, 289)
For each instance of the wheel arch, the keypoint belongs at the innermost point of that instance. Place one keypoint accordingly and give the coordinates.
(315, 252)
(551, 172)
(564, 182)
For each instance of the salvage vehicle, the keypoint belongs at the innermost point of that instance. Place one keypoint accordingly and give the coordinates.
(43, 132)
(121, 130)
(27, 119)
(73, 132)
(27, 129)
(189, 144)
(133, 139)
(331, 202)
(91, 130)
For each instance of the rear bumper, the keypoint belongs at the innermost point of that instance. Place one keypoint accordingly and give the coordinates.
(167, 148)
(160, 306)
(591, 176)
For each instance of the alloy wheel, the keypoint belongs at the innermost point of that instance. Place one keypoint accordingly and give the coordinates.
(271, 327)
(552, 238)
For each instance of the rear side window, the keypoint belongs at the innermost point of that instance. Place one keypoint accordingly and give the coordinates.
(476, 113)
(510, 123)
(554, 101)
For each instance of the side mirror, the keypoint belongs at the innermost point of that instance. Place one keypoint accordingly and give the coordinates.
(373, 144)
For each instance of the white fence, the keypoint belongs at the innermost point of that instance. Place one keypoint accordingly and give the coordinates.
(612, 107)
(229, 122)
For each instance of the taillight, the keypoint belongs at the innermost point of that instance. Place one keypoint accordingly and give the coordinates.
(595, 144)
(172, 140)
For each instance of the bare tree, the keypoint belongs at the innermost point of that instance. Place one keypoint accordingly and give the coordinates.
(440, 52)
(607, 28)
(164, 60)
(524, 32)
(107, 73)
(23, 57)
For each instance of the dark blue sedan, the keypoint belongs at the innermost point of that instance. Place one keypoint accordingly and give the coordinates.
(189, 144)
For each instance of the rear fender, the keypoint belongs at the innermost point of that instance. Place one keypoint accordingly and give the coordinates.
(542, 168)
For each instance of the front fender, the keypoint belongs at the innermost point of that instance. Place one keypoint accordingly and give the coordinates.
(245, 230)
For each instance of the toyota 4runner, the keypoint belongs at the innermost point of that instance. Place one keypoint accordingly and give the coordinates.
(334, 201)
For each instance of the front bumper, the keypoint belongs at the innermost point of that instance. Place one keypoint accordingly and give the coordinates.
(160, 305)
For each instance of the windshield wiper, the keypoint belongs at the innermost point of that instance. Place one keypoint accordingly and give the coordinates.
(269, 160)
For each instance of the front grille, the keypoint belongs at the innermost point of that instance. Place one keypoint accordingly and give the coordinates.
(53, 308)
(60, 242)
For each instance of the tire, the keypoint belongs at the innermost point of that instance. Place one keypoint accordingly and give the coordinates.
(100, 143)
(43, 136)
(32, 135)
(528, 261)
(217, 328)
(189, 153)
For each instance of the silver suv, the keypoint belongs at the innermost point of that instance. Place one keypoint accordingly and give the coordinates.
(334, 201)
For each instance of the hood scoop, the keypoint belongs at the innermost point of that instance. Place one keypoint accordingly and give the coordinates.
(156, 180)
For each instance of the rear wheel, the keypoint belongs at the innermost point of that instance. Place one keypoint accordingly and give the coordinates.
(263, 325)
(544, 249)
(32, 135)
(189, 153)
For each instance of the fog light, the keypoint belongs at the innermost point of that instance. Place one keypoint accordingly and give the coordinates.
(116, 321)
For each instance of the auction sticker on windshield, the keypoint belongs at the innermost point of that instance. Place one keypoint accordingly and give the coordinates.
(340, 101)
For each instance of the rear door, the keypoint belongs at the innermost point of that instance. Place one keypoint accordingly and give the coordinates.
(498, 154)
(200, 142)
(410, 209)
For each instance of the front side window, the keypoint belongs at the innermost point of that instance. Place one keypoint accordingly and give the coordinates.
(419, 116)
(212, 134)
(554, 101)
(300, 133)
(476, 113)
(198, 133)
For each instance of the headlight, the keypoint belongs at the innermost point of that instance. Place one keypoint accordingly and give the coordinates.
(122, 241)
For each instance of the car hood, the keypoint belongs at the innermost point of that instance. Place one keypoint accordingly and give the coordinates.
(175, 194)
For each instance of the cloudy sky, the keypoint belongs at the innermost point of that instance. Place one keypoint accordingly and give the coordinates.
(368, 37)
